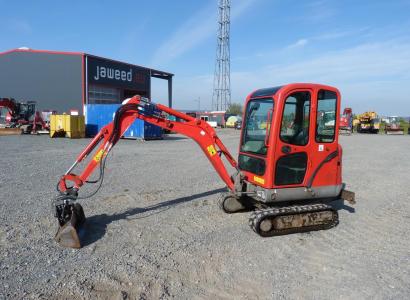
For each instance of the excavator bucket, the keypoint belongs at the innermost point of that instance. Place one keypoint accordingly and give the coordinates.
(68, 234)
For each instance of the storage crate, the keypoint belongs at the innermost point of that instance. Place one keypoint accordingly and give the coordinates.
(67, 126)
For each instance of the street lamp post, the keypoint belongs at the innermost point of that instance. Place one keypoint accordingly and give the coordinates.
(199, 103)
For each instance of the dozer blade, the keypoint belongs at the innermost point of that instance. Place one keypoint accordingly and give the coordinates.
(10, 131)
(68, 234)
(396, 132)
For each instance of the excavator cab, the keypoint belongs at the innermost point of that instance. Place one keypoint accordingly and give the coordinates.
(26, 110)
(289, 142)
(290, 159)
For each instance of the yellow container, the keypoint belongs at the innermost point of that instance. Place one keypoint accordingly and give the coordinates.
(67, 126)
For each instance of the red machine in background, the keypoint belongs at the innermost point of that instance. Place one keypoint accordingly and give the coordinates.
(22, 116)
(289, 167)
(346, 122)
(393, 126)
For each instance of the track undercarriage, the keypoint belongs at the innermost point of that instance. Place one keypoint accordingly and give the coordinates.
(277, 219)
(293, 219)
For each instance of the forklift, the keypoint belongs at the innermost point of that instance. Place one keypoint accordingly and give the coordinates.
(288, 172)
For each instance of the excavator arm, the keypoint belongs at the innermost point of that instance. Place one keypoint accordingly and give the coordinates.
(71, 215)
(141, 108)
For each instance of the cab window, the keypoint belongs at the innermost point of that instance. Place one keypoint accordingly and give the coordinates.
(295, 120)
(256, 125)
(251, 164)
(326, 116)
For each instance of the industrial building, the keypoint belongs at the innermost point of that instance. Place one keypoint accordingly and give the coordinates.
(65, 81)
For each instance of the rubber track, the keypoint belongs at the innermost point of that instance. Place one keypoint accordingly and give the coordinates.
(259, 215)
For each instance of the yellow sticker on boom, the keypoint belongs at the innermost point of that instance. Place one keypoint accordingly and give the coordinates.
(211, 149)
(259, 179)
(99, 155)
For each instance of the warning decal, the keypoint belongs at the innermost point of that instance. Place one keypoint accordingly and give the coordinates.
(99, 155)
(211, 149)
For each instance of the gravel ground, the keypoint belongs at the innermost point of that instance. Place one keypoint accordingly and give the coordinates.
(154, 231)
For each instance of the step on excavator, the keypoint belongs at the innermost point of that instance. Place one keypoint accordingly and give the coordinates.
(288, 172)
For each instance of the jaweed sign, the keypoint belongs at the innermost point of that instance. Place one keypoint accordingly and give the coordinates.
(117, 74)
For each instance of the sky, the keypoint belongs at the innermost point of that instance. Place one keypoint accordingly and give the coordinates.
(361, 47)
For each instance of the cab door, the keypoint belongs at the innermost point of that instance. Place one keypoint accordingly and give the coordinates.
(252, 159)
(292, 148)
(325, 156)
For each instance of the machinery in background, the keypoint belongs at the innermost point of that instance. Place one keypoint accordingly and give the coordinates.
(393, 126)
(213, 124)
(288, 172)
(367, 122)
(346, 122)
(232, 120)
(214, 118)
(22, 117)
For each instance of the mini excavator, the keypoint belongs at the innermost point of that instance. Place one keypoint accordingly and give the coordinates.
(288, 172)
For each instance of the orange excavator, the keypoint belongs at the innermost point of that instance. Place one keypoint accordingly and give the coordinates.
(288, 172)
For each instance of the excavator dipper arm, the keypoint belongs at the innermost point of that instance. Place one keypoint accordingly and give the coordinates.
(71, 215)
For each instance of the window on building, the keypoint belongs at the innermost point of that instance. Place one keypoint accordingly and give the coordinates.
(103, 95)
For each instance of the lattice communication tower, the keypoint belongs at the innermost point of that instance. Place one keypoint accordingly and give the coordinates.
(221, 98)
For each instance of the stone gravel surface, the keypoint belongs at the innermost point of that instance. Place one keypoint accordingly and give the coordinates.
(155, 231)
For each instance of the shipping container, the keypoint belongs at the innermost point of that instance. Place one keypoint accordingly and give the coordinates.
(99, 115)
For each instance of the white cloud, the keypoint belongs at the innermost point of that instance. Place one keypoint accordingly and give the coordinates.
(298, 44)
(319, 11)
(370, 76)
(195, 30)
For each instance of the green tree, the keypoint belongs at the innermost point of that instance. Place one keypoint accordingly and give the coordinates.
(235, 109)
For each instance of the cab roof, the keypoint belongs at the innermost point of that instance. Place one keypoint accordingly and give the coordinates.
(271, 91)
(266, 91)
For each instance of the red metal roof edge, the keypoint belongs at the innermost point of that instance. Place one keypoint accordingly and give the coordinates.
(79, 53)
(42, 51)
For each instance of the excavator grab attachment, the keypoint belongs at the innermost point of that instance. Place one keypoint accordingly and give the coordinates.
(68, 233)
(70, 217)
